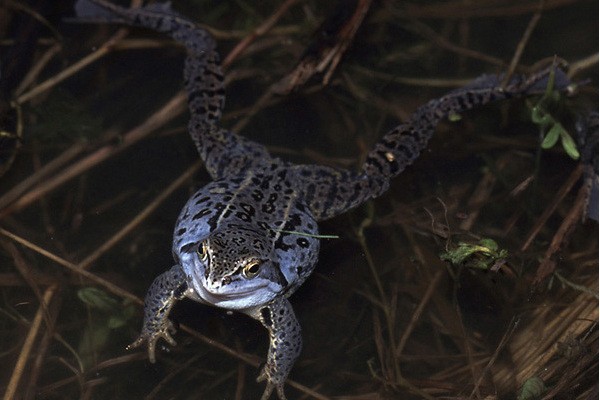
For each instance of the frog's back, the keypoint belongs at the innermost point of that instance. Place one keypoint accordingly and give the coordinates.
(266, 200)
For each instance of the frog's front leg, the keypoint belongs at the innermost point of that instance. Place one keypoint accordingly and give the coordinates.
(164, 292)
(285, 344)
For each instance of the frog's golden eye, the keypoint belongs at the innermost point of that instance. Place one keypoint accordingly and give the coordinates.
(202, 251)
(251, 269)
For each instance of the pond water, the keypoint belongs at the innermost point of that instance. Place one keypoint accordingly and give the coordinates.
(383, 316)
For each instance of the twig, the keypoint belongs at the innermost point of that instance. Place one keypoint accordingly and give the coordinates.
(513, 325)
(14, 193)
(233, 54)
(67, 72)
(478, 9)
(562, 192)
(575, 286)
(241, 379)
(26, 273)
(247, 359)
(399, 379)
(171, 109)
(442, 42)
(111, 287)
(33, 13)
(431, 287)
(534, 347)
(261, 30)
(141, 216)
(37, 68)
(171, 375)
(18, 370)
(547, 265)
(581, 65)
(522, 43)
(411, 81)
(482, 192)
(44, 344)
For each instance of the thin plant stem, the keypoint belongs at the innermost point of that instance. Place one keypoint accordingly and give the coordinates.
(261, 30)
(116, 238)
(400, 381)
(560, 195)
(522, 43)
(111, 287)
(27, 348)
(431, 287)
(172, 108)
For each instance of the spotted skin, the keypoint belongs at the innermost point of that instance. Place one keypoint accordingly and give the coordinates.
(247, 240)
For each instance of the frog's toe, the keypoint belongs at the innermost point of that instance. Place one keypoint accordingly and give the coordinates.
(271, 385)
(269, 390)
(152, 338)
(136, 343)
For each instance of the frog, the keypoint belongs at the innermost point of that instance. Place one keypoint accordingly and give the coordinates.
(249, 239)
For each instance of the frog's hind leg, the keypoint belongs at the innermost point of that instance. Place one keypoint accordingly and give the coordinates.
(329, 191)
(224, 153)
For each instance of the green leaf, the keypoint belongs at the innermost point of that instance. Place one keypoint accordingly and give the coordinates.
(490, 244)
(454, 117)
(539, 116)
(482, 255)
(128, 309)
(569, 145)
(96, 298)
(532, 389)
(116, 321)
(91, 342)
(119, 319)
(552, 136)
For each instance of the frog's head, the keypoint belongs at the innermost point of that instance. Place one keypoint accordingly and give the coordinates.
(233, 268)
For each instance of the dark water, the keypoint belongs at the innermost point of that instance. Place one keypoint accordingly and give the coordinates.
(349, 336)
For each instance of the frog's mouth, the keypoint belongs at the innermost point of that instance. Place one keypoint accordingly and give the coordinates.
(232, 298)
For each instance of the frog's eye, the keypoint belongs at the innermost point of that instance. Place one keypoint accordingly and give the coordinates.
(202, 251)
(251, 269)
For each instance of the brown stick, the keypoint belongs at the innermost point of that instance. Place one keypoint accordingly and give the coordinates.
(261, 30)
(65, 157)
(562, 192)
(67, 72)
(548, 264)
(141, 216)
(111, 287)
(28, 346)
(170, 110)
(431, 287)
(522, 43)
(476, 9)
(173, 108)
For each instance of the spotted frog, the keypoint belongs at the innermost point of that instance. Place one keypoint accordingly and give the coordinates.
(249, 239)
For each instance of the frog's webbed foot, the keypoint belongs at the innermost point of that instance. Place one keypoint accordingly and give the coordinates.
(274, 382)
(166, 289)
(151, 336)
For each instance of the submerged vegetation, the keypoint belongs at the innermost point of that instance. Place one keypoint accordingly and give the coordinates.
(475, 276)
